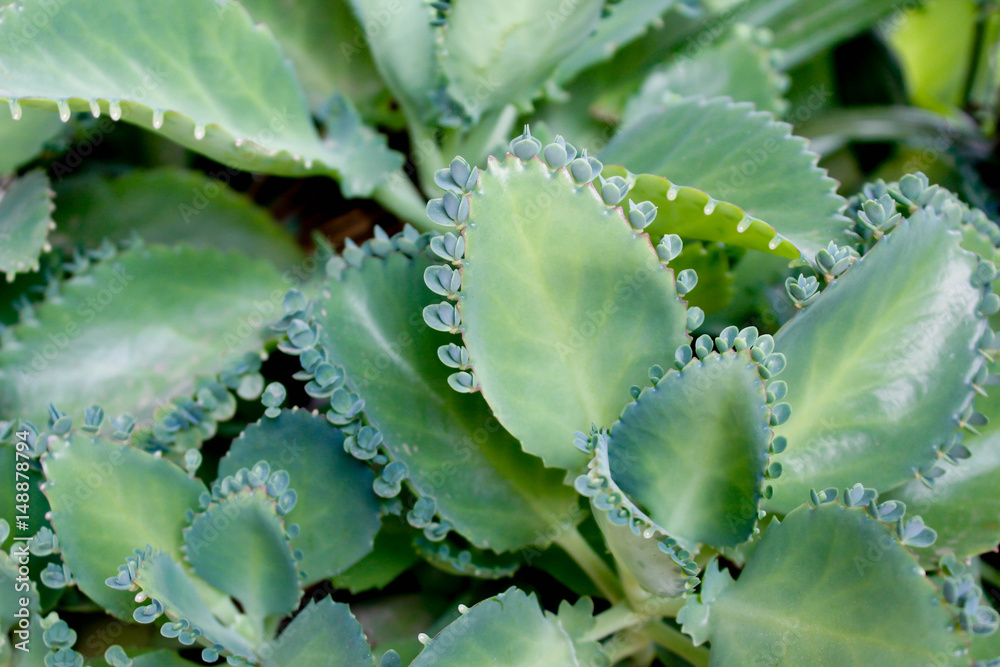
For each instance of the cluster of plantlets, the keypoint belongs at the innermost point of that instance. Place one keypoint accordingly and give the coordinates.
(667, 399)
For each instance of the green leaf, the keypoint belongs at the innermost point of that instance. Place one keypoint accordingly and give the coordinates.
(25, 221)
(323, 633)
(497, 52)
(508, 629)
(106, 500)
(589, 309)
(164, 581)
(196, 71)
(622, 22)
(739, 65)
(715, 281)
(327, 47)
(238, 545)
(963, 504)
(826, 584)
(456, 453)
(935, 68)
(168, 206)
(803, 28)
(880, 365)
(693, 214)
(336, 511)
(393, 554)
(401, 39)
(136, 329)
(738, 156)
(22, 140)
(692, 450)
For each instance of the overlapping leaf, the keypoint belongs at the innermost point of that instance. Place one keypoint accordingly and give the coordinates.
(497, 52)
(109, 499)
(25, 222)
(327, 46)
(739, 65)
(828, 585)
(337, 512)
(135, 330)
(196, 71)
(880, 365)
(264, 578)
(738, 156)
(457, 456)
(585, 305)
(168, 206)
(21, 140)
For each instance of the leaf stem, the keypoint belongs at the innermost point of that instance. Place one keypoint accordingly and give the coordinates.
(610, 621)
(625, 646)
(572, 542)
(676, 642)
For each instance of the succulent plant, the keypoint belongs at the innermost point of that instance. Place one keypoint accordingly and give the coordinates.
(651, 391)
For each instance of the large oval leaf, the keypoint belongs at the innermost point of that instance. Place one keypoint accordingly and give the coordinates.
(337, 511)
(135, 330)
(693, 449)
(880, 365)
(563, 305)
(196, 71)
(107, 500)
(685, 464)
(457, 455)
(827, 586)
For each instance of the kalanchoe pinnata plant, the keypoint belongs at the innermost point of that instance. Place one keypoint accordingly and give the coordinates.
(609, 371)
